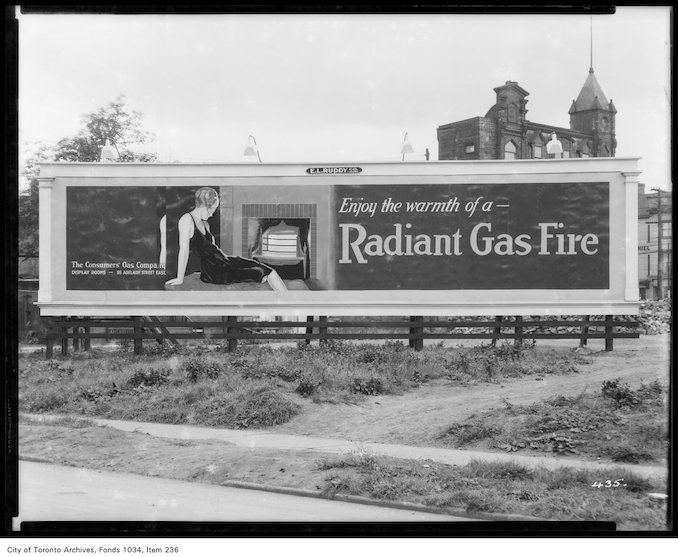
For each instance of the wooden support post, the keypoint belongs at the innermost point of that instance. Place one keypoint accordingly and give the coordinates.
(416, 343)
(232, 342)
(64, 339)
(322, 329)
(49, 348)
(496, 331)
(309, 330)
(138, 340)
(76, 339)
(87, 342)
(609, 329)
(519, 332)
(584, 331)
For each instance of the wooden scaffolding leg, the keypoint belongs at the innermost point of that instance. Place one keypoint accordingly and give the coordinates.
(49, 348)
(64, 339)
(323, 330)
(609, 330)
(232, 342)
(416, 343)
(138, 339)
(584, 331)
(496, 331)
(519, 332)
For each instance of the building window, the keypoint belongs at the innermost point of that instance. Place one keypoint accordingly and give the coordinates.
(666, 230)
(536, 151)
(510, 151)
(470, 148)
(512, 113)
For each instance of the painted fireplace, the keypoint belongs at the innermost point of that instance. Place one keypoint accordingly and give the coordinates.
(283, 237)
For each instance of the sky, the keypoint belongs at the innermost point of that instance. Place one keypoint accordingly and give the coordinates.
(340, 88)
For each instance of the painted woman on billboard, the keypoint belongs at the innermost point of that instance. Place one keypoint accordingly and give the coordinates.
(196, 239)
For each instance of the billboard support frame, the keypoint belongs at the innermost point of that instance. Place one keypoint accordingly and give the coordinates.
(238, 330)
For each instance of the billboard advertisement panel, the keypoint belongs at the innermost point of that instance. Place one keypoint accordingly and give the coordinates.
(413, 237)
(439, 238)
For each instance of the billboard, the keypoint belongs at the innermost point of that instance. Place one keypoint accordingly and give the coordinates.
(436, 238)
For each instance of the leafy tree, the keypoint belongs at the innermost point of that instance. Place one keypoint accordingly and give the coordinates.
(28, 221)
(28, 202)
(113, 122)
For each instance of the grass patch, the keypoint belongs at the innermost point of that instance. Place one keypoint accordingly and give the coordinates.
(616, 423)
(66, 421)
(563, 494)
(208, 385)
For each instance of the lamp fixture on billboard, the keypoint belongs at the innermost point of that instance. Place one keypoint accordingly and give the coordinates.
(554, 147)
(251, 149)
(107, 153)
(406, 147)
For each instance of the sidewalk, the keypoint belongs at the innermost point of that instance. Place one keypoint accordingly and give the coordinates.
(261, 439)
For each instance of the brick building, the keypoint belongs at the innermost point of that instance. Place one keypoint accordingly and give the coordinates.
(506, 133)
(655, 223)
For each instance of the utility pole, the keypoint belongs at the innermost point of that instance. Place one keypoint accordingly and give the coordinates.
(660, 245)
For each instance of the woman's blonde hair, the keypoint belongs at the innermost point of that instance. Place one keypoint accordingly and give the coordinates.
(205, 197)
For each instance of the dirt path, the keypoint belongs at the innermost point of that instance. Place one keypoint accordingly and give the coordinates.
(417, 417)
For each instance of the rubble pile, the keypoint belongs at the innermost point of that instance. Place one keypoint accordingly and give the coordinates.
(655, 316)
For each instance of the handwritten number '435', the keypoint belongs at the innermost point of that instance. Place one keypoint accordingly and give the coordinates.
(608, 484)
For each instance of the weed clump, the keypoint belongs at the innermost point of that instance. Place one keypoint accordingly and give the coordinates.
(629, 454)
(462, 434)
(368, 387)
(499, 470)
(262, 406)
(149, 377)
(651, 393)
(252, 406)
(620, 392)
(307, 386)
(196, 368)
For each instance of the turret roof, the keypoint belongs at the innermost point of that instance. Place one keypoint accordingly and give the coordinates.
(591, 96)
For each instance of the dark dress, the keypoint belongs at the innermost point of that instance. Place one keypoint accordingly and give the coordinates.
(218, 268)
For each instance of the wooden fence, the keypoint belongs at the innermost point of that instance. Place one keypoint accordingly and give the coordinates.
(81, 331)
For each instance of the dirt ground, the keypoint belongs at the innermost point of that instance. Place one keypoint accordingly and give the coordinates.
(417, 417)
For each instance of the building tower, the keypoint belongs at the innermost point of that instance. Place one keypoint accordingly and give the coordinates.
(592, 114)
(509, 112)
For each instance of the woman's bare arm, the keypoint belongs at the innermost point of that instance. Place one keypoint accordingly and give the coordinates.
(186, 230)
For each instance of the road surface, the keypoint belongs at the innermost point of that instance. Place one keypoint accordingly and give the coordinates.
(50, 492)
